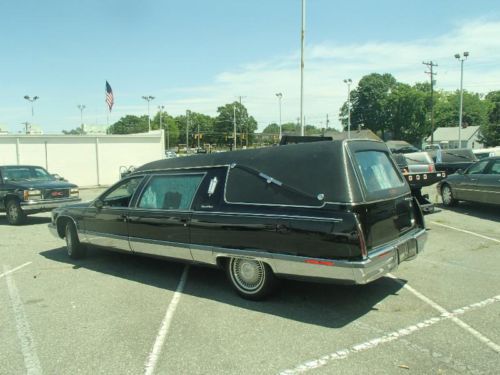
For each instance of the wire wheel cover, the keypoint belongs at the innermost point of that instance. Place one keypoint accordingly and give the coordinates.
(248, 274)
(447, 197)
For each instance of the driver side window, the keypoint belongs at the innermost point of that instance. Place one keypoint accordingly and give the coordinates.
(478, 168)
(121, 194)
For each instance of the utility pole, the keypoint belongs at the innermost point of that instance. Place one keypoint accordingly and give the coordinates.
(348, 82)
(198, 136)
(327, 121)
(460, 119)
(302, 40)
(431, 74)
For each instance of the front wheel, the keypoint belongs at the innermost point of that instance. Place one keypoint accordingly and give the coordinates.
(73, 246)
(252, 279)
(447, 196)
(15, 215)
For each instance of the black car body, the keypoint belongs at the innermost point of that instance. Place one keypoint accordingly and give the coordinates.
(29, 189)
(336, 211)
(451, 160)
(478, 183)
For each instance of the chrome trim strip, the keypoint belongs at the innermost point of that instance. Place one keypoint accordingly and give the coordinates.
(293, 217)
(46, 204)
(477, 191)
(161, 248)
(112, 241)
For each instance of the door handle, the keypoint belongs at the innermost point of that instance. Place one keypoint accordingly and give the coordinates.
(473, 179)
(124, 217)
(184, 221)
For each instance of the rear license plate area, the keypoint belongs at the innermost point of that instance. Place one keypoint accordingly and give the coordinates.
(407, 250)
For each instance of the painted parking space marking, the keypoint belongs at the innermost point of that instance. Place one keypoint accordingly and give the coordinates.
(392, 336)
(465, 231)
(13, 269)
(495, 347)
(28, 347)
(154, 355)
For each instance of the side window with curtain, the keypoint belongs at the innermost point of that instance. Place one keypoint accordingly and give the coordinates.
(170, 192)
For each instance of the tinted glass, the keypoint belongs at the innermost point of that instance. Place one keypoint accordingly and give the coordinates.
(121, 194)
(478, 168)
(170, 192)
(26, 173)
(377, 171)
(495, 168)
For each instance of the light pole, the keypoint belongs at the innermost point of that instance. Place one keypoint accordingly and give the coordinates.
(234, 126)
(161, 108)
(81, 107)
(461, 59)
(280, 96)
(187, 130)
(348, 81)
(148, 98)
(32, 99)
(302, 40)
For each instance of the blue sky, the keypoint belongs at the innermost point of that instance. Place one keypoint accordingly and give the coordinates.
(200, 54)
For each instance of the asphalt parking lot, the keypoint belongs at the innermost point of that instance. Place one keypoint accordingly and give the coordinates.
(118, 314)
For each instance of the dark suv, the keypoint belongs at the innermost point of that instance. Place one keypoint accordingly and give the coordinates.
(28, 189)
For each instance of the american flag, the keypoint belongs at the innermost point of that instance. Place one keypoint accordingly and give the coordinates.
(110, 99)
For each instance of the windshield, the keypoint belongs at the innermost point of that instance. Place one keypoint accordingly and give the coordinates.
(20, 173)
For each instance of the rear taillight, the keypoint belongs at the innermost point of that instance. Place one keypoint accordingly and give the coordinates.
(362, 242)
(432, 168)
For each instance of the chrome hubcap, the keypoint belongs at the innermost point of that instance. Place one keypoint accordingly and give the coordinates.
(446, 194)
(249, 274)
(13, 212)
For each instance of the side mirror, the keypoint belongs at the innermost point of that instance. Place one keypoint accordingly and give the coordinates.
(98, 204)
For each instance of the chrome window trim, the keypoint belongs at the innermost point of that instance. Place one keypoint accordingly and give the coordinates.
(477, 191)
(262, 204)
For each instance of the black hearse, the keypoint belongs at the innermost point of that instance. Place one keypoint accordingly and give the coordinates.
(336, 211)
(29, 189)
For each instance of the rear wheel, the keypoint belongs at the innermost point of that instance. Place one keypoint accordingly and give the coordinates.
(447, 196)
(73, 246)
(15, 215)
(252, 279)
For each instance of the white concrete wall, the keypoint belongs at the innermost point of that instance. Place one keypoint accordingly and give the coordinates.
(85, 160)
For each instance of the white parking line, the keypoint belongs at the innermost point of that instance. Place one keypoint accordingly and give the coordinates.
(454, 319)
(466, 231)
(31, 361)
(14, 269)
(392, 336)
(154, 355)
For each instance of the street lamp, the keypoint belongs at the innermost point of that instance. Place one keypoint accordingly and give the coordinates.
(148, 98)
(33, 99)
(81, 107)
(348, 81)
(280, 96)
(461, 59)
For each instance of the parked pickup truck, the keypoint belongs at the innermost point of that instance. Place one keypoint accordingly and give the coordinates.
(334, 211)
(28, 189)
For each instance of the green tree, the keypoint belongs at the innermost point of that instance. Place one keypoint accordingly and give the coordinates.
(490, 132)
(447, 106)
(170, 127)
(368, 103)
(406, 110)
(224, 125)
(129, 124)
(271, 129)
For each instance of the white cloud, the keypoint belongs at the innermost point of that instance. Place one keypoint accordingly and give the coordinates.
(327, 64)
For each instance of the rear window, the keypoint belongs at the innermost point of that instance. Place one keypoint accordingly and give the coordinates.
(377, 171)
